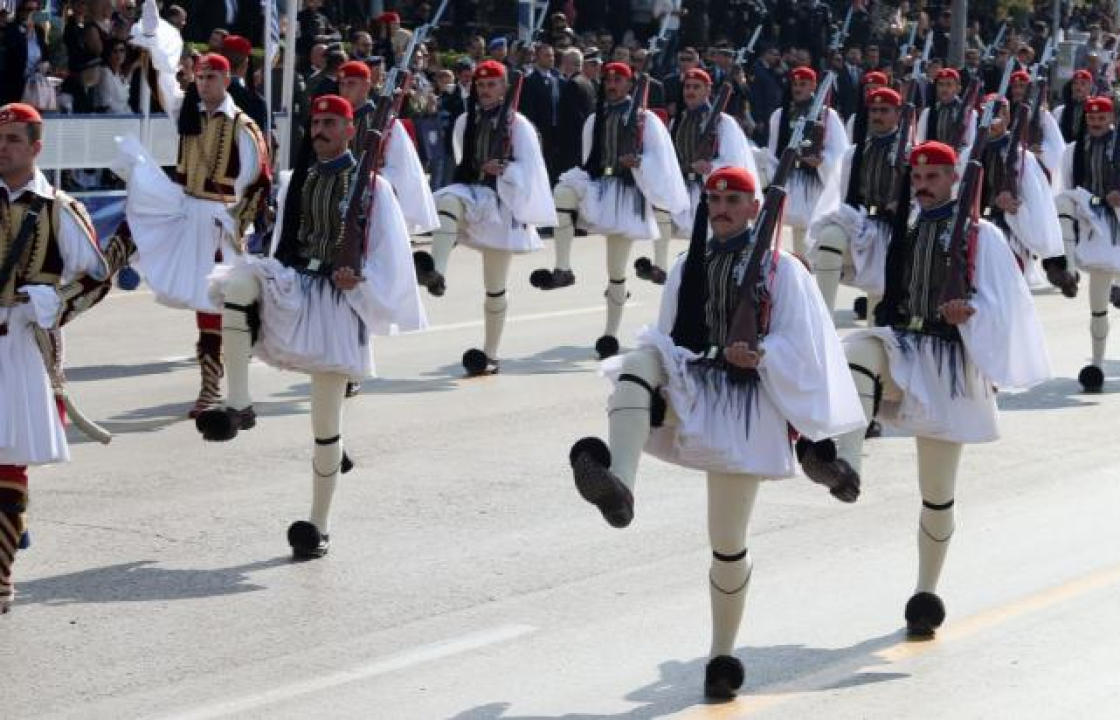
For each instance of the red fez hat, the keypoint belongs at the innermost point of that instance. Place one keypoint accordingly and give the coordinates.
(875, 77)
(1083, 75)
(237, 45)
(354, 69)
(884, 96)
(731, 178)
(489, 69)
(212, 61)
(944, 73)
(804, 73)
(388, 17)
(933, 153)
(1021, 76)
(19, 112)
(618, 69)
(332, 105)
(1099, 104)
(698, 74)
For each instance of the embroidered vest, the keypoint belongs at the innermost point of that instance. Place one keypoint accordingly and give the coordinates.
(41, 262)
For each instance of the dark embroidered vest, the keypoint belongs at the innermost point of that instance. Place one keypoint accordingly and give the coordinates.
(686, 139)
(41, 262)
(320, 227)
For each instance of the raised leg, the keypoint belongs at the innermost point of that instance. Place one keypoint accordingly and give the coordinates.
(238, 318)
(828, 262)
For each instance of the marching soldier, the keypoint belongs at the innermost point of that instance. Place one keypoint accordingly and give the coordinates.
(499, 195)
(680, 397)
(851, 242)
(947, 120)
(305, 309)
(1071, 113)
(1090, 221)
(185, 226)
(931, 366)
(700, 150)
(812, 185)
(51, 269)
(629, 167)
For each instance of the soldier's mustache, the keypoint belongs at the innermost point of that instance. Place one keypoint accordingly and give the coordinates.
(725, 218)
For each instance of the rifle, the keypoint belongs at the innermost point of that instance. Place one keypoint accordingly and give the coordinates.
(905, 49)
(709, 130)
(744, 56)
(968, 104)
(900, 155)
(966, 215)
(633, 126)
(990, 48)
(751, 319)
(507, 116)
(1040, 88)
(1012, 159)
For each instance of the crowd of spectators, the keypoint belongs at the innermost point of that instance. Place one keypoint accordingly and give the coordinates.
(72, 56)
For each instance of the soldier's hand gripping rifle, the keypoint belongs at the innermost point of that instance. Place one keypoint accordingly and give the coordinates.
(751, 318)
(708, 144)
(502, 149)
(958, 281)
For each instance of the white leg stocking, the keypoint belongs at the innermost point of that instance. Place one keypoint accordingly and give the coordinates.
(450, 210)
(868, 362)
(495, 271)
(664, 236)
(567, 209)
(937, 477)
(828, 261)
(618, 255)
(801, 242)
(628, 411)
(242, 289)
(328, 390)
(1100, 285)
(1066, 214)
(730, 501)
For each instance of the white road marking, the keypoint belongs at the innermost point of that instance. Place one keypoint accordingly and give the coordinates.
(416, 656)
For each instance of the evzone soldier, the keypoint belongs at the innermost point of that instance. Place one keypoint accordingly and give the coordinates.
(187, 225)
(51, 269)
(1088, 210)
(702, 146)
(629, 167)
(1070, 115)
(947, 120)
(402, 164)
(932, 364)
(869, 83)
(815, 177)
(1043, 136)
(499, 197)
(313, 304)
(691, 395)
(851, 242)
(1016, 196)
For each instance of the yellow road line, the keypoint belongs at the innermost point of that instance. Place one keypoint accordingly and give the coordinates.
(747, 705)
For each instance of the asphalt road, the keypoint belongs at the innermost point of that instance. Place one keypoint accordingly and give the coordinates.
(468, 581)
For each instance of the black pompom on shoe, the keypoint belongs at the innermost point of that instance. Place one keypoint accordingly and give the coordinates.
(591, 461)
(541, 278)
(722, 677)
(822, 466)
(426, 273)
(221, 424)
(646, 270)
(606, 346)
(859, 307)
(347, 464)
(476, 363)
(924, 614)
(307, 542)
(1114, 296)
(1091, 378)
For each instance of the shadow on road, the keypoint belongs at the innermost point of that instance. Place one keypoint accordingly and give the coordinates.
(140, 581)
(775, 670)
(112, 372)
(1054, 394)
(554, 361)
(158, 417)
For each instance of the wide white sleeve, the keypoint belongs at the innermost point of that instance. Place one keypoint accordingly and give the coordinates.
(835, 141)
(1035, 224)
(772, 140)
(1004, 337)
(850, 128)
(249, 156)
(804, 369)
(1067, 167)
(659, 175)
(1053, 147)
(283, 181)
(733, 149)
(523, 186)
(405, 173)
(920, 130)
(164, 45)
(79, 255)
(388, 298)
(457, 133)
(587, 137)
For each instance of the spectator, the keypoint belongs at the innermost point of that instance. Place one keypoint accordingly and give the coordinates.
(766, 92)
(325, 82)
(81, 92)
(313, 24)
(177, 16)
(25, 47)
(362, 46)
(577, 102)
(476, 49)
(116, 79)
(237, 50)
(540, 103)
(216, 40)
(593, 67)
(98, 29)
(73, 31)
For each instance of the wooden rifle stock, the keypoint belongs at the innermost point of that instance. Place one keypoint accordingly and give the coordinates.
(709, 132)
(1013, 160)
(634, 127)
(900, 155)
(504, 147)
